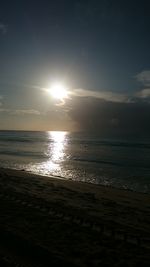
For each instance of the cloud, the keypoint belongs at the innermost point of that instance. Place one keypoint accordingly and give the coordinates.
(145, 93)
(3, 28)
(105, 95)
(113, 96)
(4, 110)
(111, 113)
(107, 117)
(144, 77)
(136, 96)
(21, 111)
(1, 100)
(105, 112)
(26, 112)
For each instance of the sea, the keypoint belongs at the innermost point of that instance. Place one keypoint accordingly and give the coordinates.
(120, 163)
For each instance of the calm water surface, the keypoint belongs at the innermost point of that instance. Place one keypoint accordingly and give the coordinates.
(80, 157)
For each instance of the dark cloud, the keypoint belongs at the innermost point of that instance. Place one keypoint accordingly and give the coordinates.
(3, 28)
(106, 117)
(144, 77)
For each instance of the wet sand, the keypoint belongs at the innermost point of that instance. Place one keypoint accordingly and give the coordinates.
(52, 222)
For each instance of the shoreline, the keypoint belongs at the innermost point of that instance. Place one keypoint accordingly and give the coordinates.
(96, 189)
(23, 171)
(76, 193)
(60, 217)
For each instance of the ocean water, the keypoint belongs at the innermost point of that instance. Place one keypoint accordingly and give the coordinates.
(80, 157)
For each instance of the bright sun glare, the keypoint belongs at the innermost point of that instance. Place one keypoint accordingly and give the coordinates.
(58, 91)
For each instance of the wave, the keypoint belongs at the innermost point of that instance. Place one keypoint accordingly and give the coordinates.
(115, 163)
(22, 140)
(43, 138)
(110, 143)
(24, 154)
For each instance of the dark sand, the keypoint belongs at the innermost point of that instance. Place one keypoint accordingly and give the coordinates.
(52, 222)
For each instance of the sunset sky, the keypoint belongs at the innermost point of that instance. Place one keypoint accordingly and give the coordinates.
(98, 49)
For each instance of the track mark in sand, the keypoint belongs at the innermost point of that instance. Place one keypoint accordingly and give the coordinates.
(16, 251)
(11, 261)
(100, 226)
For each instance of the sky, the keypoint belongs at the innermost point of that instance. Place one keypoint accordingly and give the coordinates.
(98, 48)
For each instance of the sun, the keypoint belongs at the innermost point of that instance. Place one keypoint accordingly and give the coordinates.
(58, 91)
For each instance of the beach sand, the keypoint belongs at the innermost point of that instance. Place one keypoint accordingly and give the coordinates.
(53, 222)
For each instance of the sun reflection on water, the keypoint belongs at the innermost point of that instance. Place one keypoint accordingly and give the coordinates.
(55, 152)
(57, 149)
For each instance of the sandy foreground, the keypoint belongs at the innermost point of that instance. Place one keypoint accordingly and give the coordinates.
(52, 222)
